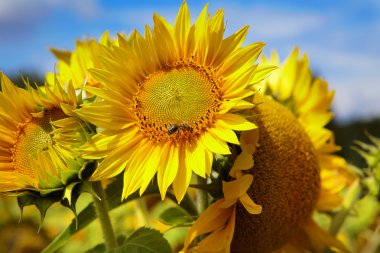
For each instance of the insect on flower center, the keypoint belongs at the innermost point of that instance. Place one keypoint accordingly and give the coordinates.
(178, 102)
(33, 137)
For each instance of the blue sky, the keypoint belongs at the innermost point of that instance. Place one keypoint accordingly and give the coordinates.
(342, 38)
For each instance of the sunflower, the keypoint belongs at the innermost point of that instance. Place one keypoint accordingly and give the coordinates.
(295, 170)
(74, 66)
(310, 100)
(171, 99)
(40, 137)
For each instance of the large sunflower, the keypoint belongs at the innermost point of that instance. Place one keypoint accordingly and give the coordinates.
(40, 137)
(171, 101)
(295, 170)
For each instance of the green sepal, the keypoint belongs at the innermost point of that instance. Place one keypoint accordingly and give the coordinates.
(43, 205)
(87, 170)
(68, 176)
(25, 200)
(46, 192)
(75, 164)
(69, 195)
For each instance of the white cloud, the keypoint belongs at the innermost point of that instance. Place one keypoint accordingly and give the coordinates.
(272, 23)
(138, 17)
(21, 15)
(18, 9)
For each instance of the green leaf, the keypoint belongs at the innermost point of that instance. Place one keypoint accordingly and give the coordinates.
(144, 240)
(176, 216)
(101, 248)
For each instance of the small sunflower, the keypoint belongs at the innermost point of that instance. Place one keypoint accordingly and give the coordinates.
(171, 100)
(40, 139)
(295, 170)
(74, 66)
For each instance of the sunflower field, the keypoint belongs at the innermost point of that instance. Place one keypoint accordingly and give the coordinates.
(182, 137)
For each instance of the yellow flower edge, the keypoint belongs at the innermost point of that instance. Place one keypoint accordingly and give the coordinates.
(171, 99)
(74, 66)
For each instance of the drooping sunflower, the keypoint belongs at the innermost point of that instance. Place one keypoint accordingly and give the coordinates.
(295, 170)
(73, 66)
(310, 100)
(40, 138)
(171, 100)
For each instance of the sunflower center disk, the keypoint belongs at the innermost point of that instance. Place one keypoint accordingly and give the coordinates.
(177, 103)
(33, 137)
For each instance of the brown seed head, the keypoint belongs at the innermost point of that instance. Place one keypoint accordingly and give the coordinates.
(286, 181)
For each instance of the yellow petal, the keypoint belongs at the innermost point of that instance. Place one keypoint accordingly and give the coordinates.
(213, 218)
(235, 122)
(168, 167)
(115, 162)
(243, 161)
(249, 205)
(133, 175)
(220, 240)
(214, 144)
(182, 27)
(151, 166)
(233, 190)
(195, 158)
(182, 180)
(224, 134)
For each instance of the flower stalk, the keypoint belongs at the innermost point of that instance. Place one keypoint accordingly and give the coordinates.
(101, 207)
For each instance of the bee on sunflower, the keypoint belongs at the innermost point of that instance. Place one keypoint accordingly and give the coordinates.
(156, 84)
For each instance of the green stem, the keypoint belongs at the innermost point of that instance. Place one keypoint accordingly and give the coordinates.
(101, 207)
(202, 196)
